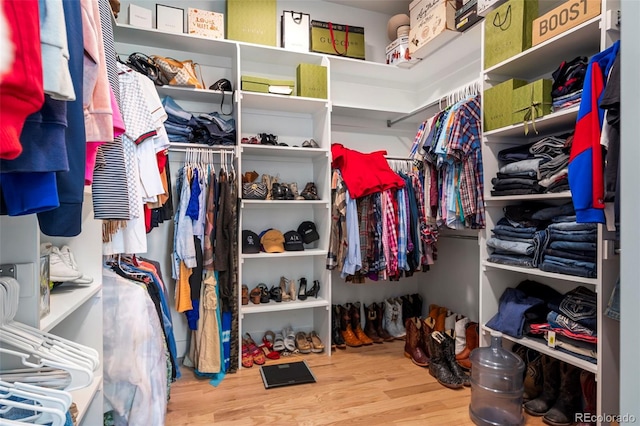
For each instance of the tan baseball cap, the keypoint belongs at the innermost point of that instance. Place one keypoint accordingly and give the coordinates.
(273, 241)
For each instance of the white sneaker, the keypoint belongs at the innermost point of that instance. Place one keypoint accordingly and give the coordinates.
(59, 270)
(69, 259)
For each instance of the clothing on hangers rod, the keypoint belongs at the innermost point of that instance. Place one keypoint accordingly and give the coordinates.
(391, 157)
(474, 85)
(182, 147)
(460, 237)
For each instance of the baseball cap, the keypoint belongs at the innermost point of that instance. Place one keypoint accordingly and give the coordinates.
(250, 242)
(273, 241)
(293, 241)
(308, 232)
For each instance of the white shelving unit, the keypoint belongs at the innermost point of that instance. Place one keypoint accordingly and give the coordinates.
(535, 63)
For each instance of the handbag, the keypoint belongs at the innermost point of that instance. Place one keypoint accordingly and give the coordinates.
(254, 191)
(178, 73)
(147, 66)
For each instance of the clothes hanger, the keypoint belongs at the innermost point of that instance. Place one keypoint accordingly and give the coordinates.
(46, 378)
(45, 400)
(44, 415)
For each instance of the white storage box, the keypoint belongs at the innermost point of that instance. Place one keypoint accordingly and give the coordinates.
(429, 19)
(398, 53)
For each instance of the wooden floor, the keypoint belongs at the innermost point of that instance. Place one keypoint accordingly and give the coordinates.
(357, 386)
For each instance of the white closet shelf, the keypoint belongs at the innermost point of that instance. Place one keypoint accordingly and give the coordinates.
(304, 253)
(278, 152)
(541, 347)
(65, 300)
(582, 40)
(272, 306)
(531, 197)
(261, 204)
(150, 37)
(540, 273)
(545, 125)
(368, 113)
(193, 94)
(262, 54)
(83, 397)
(284, 103)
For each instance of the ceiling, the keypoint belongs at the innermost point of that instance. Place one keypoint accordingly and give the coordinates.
(387, 7)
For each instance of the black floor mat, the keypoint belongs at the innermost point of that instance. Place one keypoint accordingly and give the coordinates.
(291, 373)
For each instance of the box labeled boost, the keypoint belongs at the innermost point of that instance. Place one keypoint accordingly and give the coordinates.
(532, 101)
(311, 81)
(497, 104)
(253, 21)
(563, 18)
(507, 30)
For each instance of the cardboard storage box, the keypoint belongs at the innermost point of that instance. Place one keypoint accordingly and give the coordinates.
(563, 18)
(205, 23)
(398, 53)
(253, 21)
(486, 6)
(429, 18)
(332, 39)
(507, 30)
(311, 81)
(532, 101)
(497, 102)
(261, 84)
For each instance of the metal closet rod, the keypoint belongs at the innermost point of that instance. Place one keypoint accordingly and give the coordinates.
(183, 147)
(472, 87)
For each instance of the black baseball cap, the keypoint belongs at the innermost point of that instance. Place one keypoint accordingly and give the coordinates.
(250, 242)
(293, 241)
(308, 232)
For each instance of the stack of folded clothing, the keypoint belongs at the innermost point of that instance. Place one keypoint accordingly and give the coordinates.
(209, 129)
(572, 247)
(573, 319)
(553, 172)
(518, 239)
(568, 80)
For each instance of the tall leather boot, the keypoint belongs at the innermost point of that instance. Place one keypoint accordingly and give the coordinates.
(438, 366)
(388, 319)
(348, 335)
(336, 336)
(369, 325)
(407, 308)
(550, 388)
(461, 334)
(382, 332)
(427, 328)
(471, 337)
(589, 391)
(417, 301)
(354, 313)
(568, 403)
(398, 319)
(413, 342)
(448, 345)
(450, 321)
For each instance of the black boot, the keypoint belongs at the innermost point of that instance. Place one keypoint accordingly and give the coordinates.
(407, 308)
(369, 325)
(569, 401)
(382, 332)
(449, 345)
(438, 365)
(550, 388)
(336, 337)
(416, 300)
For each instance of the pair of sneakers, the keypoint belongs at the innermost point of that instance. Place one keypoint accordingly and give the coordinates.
(62, 265)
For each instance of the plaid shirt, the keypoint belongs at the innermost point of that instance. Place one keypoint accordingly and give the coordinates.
(402, 230)
(366, 237)
(337, 241)
(389, 233)
(380, 261)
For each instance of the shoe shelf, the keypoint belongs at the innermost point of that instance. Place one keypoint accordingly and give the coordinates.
(261, 204)
(191, 94)
(83, 397)
(531, 197)
(534, 272)
(305, 253)
(64, 300)
(582, 40)
(560, 120)
(310, 302)
(283, 103)
(540, 346)
(281, 153)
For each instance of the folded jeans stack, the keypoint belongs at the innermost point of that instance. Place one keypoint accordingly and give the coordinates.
(572, 247)
(516, 245)
(209, 129)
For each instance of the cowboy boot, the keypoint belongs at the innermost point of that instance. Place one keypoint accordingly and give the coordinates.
(354, 313)
(413, 343)
(417, 304)
(461, 334)
(407, 308)
(348, 335)
(392, 316)
(533, 379)
(450, 356)
(589, 391)
(336, 337)
(369, 325)
(568, 403)
(550, 388)
(382, 332)
(450, 321)
(472, 342)
(397, 319)
(438, 366)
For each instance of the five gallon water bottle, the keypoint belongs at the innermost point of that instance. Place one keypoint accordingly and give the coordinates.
(496, 385)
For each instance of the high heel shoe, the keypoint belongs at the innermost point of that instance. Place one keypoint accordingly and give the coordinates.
(275, 293)
(315, 289)
(302, 291)
(284, 291)
(292, 288)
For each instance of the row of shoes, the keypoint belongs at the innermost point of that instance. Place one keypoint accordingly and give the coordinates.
(465, 332)
(284, 292)
(555, 390)
(269, 139)
(275, 345)
(63, 267)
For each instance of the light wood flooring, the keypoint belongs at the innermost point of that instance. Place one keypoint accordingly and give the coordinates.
(374, 385)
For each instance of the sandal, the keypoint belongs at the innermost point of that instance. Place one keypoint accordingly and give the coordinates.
(278, 342)
(310, 144)
(255, 295)
(247, 358)
(245, 294)
(316, 344)
(276, 294)
(286, 297)
(269, 353)
(302, 344)
(256, 353)
(289, 339)
(302, 291)
(264, 293)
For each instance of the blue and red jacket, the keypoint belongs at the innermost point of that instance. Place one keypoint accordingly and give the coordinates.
(586, 177)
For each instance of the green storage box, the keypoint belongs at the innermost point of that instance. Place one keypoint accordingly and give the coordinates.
(311, 81)
(497, 104)
(507, 30)
(531, 102)
(253, 21)
(252, 83)
(330, 38)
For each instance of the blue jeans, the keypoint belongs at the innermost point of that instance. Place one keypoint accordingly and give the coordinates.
(566, 218)
(550, 212)
(613, 308)
(586, 256)
(573, 226)
(572, 245)
(571, 262)
(550, 266)
(513, 260)
(524, 248)
(575, 236)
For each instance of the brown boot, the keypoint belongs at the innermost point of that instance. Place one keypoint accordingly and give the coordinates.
(369, 326)
(471, 344)
(382, 332)
(413, 343)
(426, 329)
(354, 313)
(345, 329)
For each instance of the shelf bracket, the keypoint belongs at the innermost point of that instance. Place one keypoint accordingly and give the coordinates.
(8, 270)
